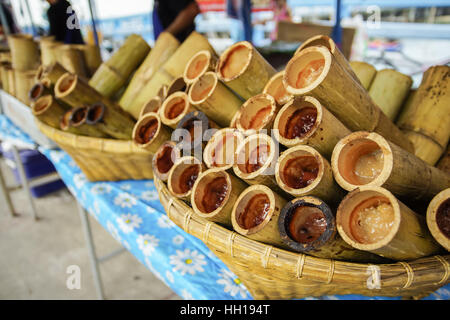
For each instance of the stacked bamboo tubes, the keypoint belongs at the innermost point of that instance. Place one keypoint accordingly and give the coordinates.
(426, 119)
(24, 52)
(113, 74)
(92, 57)
(73, 59)
(198, 65)
(277, 90)
(149, 132)
(24, 81)
(257, 114)
(364, 71)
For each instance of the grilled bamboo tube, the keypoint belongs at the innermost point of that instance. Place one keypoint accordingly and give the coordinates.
(368, 159)
(166, 155)
(72, 59)
(220, 151)
(65, 123)
(256, 158)
(11, 80)
(308, 225)
(257, 114)
(149, 132)
(78, 120)
(182, 177)
(302, 171)
(152, 106)
(164, 47)
(364, 71)
(50, 74)
(24, 80)
(47, 110)
(255, 215)
(113, 121)
(276, 89)
(213, 98)
(389, 90)
(426, 120)
(37, 90)
(438, 218)
(202, 62)
(48, 51)
(314, 71)
(4, 75)
(242, 68)
(96, 113)
(444, 163)
(92, 57)
(214, 193)
(400, 233)
(304, 121)
(175, 107)
(177, 84)
(112, 75)
(24, 52)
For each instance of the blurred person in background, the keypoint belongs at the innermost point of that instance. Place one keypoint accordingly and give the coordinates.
(175, 16)
(62, 20)
(241, 10)
(281, 12)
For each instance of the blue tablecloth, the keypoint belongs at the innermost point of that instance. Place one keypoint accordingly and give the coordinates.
(132, 213)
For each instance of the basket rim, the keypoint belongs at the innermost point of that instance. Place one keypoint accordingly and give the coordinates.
(401, 276)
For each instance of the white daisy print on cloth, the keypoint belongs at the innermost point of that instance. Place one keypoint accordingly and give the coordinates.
(127, 222)
(188, 261)
(56, 155)
(113, 231)
(177, 240)
(149, 195)
(165, 222)
(170, 276)
(101, 188)
(79, 180)
(126, 187)
(125, 200)
(150, 210)
(186, 295)
(147, 243)
(231, 283)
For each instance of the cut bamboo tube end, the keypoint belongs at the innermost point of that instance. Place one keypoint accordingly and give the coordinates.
(202, 62)
(364, 71)
(372, 219)
(151, 106)
(304, 121)
(149, 132)
(166, 155)
(257, 114)
(242, 68)
(182, 177)
(314, 71)
(256, 157)
(177, 84)
(95, 113)
(220, 151)
(255, 215)
(368, 159)
(308, 225)
(37, 90)
(389, 90)
(302, 171)
(438, 218)
(214, 193)
(79, 121)
(276, 89)
(47, 110)
(174, 108)
(50, 74)
(213, 98)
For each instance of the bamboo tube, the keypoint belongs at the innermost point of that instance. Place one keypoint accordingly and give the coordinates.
(65, 123)
(72, 59)
(4, 75)
(426, 120)
(47, 110)
(151, 106)
(302, 171)
(92, 57)
(255, 215)
(438, 218)
(257, 114)
(364, 71)
(178, 84)
(175, 107)
(213, 98)
(24, 81)
(149, 132)
(5, 57)
(243, 69)
(10, 75)
(96, 113)
(220, 151)
(49, 51)
(276, 89)
(37, 90)
(78, 120)
(112, 121)
(233, 121)
(444, 163)
(314, 71)
(202, 62)
(113, 74)
(164, 47)
(24, 52)
(256, 159)
(368, 159)
(50, 74)
(182, 177)
(162, 92)
(214, 193)
(398, 233)
(389, 90)
(327, 42)
(308, 225)
(163, 160)
(304, 121)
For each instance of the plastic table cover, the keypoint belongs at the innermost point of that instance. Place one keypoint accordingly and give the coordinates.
(132, 213)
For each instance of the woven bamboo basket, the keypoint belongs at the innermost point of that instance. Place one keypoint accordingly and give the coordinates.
(103, 159)
(272, 273)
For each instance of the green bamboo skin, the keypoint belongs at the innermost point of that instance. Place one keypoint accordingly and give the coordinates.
(48, 110)
(24, 52)
(364, 71)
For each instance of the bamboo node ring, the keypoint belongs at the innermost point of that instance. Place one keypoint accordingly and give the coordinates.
(300, 265)
(230, 243)
(206, 232)
(265, 258)
(331, 272)
(446, 269)
(410, 273)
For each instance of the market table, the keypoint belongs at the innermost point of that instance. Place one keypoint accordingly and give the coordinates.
(132, 213)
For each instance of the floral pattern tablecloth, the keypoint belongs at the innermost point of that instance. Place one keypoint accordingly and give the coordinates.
(132, 213)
